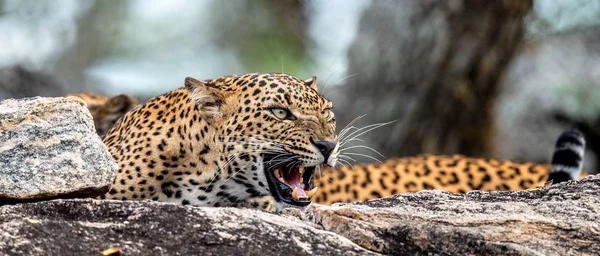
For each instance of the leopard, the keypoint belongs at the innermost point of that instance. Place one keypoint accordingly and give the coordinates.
(457, 174)
(106, 111)
(253, 140)
(452, 173)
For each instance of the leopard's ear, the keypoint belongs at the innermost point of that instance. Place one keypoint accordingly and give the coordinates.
(311, 82)
(120, 104)
(208, 97)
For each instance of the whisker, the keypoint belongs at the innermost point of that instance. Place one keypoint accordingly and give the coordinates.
(350, 124)
(354, 139)
(343, 132)
(358, 130)
(347, 158)
(221, 168)
(281, 162)
(325, 84)
(362, 146)
(346, 77)
(345, 162)
(364, 128)
(363, 155)
(329, 68)
(368, 130)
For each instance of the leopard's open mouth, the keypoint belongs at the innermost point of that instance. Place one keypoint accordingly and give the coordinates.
(291, 185)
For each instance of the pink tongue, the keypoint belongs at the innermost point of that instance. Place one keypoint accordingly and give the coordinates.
(295, 183)
(300, 187)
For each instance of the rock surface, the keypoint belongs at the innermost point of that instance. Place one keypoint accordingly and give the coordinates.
(86, 227)
(563, 219)
(49, 149)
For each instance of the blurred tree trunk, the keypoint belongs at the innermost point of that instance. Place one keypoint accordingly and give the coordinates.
(96, 30)
(434, 66)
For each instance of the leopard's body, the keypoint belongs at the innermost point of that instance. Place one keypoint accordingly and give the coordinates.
(456, 173)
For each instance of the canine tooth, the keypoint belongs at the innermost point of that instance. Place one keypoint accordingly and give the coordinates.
(312, 192)
(301, 170)
(295, 194)
(278, 175)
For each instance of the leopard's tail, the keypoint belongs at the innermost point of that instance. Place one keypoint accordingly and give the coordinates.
(567, 160)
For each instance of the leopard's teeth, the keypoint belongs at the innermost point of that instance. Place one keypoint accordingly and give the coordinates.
(301, 171)
(295, 194)
(312, 192)
(278, 175)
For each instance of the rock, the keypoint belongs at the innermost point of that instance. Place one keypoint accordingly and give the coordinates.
(563, 219)
(86, 227)
(49, 149)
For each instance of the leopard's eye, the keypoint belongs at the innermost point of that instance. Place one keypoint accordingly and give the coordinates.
(282, 113)
(329, 116)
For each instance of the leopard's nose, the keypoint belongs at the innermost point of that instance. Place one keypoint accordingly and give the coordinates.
(325, 147)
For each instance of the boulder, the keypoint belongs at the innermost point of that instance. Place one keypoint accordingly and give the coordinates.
(49, 149)
(563, 219)
(87, 227)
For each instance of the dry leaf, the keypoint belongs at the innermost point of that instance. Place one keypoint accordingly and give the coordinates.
(34, 221)
(113, 251)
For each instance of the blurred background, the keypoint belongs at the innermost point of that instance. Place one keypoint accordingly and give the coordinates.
(497, 78)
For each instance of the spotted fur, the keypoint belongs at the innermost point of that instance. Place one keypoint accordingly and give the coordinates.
(206, 144)
(456, 174)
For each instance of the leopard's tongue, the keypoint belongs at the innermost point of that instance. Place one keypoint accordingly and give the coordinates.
(294, 181)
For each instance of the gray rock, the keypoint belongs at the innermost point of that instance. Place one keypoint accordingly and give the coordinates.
(559, 220)
(49, 149)
(563, 219)
(86, 227)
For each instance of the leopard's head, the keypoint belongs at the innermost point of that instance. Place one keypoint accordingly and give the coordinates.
(274, 132)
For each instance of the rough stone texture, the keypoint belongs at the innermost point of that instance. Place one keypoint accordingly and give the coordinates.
(49, 149)
(563, 219)
(86, 227)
